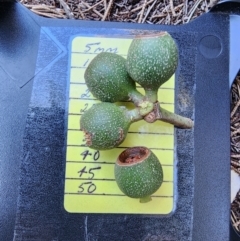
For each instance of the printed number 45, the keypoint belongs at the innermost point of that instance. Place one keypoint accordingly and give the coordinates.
(90, 171)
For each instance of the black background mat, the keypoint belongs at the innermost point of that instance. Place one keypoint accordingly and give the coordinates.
(34, 65)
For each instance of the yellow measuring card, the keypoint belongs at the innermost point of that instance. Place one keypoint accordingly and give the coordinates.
(89, 180)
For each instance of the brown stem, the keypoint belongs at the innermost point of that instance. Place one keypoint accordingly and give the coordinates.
(160, 113)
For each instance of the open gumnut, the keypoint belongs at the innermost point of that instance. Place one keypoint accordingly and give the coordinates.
(138, 173)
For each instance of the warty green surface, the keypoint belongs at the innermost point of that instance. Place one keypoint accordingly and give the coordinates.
(151, 61)
(106, 124)
(107, 78)
(141, 179)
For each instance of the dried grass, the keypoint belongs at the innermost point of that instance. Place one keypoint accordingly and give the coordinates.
(235, 147)
(143, 11)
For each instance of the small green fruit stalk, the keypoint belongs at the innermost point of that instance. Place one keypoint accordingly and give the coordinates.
(159, 113)
(108, 80)
(138, 173)
(151, 61)
(105, 125)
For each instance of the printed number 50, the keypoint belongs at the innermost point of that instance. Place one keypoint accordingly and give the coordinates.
(90, 188)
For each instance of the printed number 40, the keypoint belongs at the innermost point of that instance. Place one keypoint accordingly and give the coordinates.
(86, 153)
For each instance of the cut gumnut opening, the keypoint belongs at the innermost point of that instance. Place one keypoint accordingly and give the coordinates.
(133, 155)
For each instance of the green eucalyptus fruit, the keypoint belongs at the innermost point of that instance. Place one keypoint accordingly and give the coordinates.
(152, 59)
(108, 80)
(105, 125)
(138, 173)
